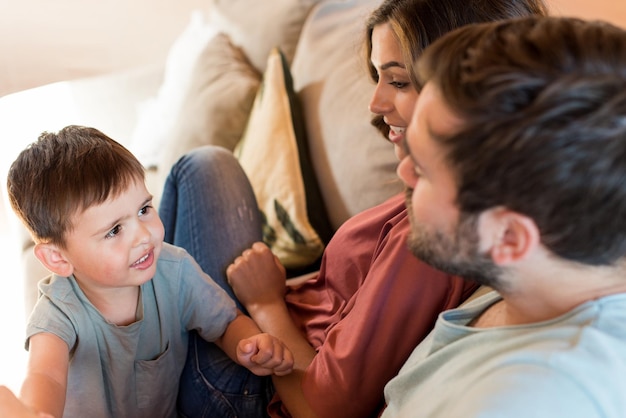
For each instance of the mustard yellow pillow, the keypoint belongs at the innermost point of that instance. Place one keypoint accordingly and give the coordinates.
(273, 152)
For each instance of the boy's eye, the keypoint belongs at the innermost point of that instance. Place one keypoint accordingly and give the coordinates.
(145, 210)
(113, 232)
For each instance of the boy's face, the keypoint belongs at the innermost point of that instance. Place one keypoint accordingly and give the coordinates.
(117, 243)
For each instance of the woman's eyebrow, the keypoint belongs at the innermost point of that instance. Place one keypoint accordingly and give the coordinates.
(391, 64)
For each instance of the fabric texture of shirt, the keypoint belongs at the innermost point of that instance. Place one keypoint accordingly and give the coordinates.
(571, 366)
(365, 316)
(132, 371)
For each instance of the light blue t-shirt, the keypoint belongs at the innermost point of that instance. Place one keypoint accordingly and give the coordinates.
(571, 366)
(132, 371)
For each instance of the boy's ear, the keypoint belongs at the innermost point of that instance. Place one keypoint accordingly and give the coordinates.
(511, 236)
(53, 259)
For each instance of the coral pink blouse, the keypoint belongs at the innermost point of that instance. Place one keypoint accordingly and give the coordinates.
(370, 305)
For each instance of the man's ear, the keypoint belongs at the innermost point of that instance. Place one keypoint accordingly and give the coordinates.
(53, 259)
(510, 235)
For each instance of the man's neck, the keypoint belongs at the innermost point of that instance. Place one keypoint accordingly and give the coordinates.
(541, 293)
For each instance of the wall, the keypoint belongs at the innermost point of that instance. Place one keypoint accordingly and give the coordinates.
(613, 11)
(42, 41)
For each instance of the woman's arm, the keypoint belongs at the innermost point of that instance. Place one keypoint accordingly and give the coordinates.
(259, 280)
(45, 384)
(275, 319)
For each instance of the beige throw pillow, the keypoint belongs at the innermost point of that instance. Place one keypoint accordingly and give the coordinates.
(217, 103)
(274, 155)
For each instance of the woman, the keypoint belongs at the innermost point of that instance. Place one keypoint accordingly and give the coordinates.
(352, 326)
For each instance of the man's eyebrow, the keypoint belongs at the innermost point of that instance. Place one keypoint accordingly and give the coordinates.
(391, 64)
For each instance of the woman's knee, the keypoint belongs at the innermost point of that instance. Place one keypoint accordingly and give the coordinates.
(207, 159)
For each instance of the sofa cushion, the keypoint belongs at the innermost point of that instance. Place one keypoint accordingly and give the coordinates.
(217, 104)
(157, 115)
(257, 27)
(206, 96)
(273, 153)
(355, 167)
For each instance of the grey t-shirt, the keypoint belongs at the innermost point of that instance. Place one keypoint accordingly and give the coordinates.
(571, 366)
(132, 371)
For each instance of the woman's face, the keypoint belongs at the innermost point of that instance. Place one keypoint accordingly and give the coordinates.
(394, 97)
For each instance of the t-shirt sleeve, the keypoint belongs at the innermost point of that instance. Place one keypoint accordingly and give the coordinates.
(49, 317)
(205, 306)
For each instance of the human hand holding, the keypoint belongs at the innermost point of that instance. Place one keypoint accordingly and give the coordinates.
(264, 355)
(257, 277)
(11, 406)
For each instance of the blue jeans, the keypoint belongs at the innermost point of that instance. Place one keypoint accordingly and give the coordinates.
(208, 207)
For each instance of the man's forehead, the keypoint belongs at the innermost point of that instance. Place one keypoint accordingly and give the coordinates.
(433, 116)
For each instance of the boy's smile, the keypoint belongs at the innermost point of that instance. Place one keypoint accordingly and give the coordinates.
(144, 262)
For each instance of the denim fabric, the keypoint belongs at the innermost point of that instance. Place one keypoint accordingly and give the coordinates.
(208, 207)
(214, 386)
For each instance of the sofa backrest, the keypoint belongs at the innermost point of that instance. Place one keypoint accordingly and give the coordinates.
(355, 166)
(209, 102)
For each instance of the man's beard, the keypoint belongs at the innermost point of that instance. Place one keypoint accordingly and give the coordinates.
(458, 254)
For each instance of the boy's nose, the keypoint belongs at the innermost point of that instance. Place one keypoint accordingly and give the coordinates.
(143, 234)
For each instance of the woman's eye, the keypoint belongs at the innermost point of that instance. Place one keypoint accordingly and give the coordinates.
(113, 232)
(399, 84)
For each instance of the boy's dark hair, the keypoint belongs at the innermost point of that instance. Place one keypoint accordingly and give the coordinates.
(544, 105)
(64, 173)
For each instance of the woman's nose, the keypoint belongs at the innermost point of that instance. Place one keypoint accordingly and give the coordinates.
(380, 103)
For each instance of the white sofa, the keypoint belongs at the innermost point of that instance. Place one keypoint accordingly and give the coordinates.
(204, 91)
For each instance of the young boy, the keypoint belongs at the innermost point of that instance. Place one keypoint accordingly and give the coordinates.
(108, 336)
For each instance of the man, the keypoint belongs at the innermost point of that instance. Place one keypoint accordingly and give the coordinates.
(516, 176)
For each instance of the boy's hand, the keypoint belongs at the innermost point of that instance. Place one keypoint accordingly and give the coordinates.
(12, 407)
(264, 355)
(257, 277)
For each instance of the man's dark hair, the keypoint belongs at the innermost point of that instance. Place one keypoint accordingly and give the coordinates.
(544, 101)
